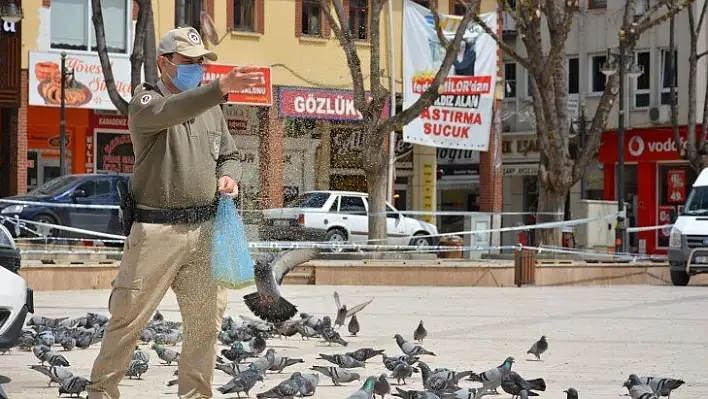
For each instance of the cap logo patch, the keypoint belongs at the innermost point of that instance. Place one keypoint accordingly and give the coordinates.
(193, 37)
(145, 99)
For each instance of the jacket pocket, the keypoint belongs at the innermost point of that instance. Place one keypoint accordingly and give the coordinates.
(214, 143)
(123, 301)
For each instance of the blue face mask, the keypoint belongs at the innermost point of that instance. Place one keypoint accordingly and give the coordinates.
(188, 76)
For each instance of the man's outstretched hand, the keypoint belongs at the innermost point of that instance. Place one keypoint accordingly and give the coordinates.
(239, 79)
(227, 185)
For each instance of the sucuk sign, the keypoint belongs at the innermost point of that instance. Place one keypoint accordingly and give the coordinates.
(305, 103)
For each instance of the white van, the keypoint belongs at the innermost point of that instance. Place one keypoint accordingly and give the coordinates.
(688, 243)
(16, 300)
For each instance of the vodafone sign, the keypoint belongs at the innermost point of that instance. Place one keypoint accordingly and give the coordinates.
(640, 145)
(636, 146)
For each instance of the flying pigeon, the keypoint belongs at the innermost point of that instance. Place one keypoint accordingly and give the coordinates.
(343, 313)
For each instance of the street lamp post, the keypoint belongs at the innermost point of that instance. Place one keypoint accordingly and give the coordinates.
(10, 12)
(62, 114)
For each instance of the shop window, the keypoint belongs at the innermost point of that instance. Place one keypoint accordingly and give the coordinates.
(510, 79)
(244, 16)
(359, 19)
(642, 94)
(72, 28)
(573, 75)
(674, 184)
(311, 18)
(666, 77)
(597, 78)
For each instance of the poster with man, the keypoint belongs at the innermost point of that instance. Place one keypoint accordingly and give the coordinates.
(461, 117)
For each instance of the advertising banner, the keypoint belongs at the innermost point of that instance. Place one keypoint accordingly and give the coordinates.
(114, 152)
(261, 94)
(462, 116)
(326, 104)
(676, 179)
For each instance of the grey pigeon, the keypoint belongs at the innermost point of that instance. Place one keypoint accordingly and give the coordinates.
(311, 321)
(441, 380)
(139, 354)
(391, 362)
(365, 354)
(309, 384)
(288, 328)
(307, 331)
(464, 393)
(491, 379)
(336, 374)
(286, 389)
(68, 343)
(571, 393)
(402, 370)
(136, 369)
(146, 335)
(344, 361)
(270, 270)
(329, 334)
(244, 382)
(46, 338)
(167, 355)
(44, 354)
(411, 349)
(366, 391)
(281, 362)
(262, 364)
(343, 313)
(639, 390)
(353, 326)
(382, 387)
(662, 386)
(420, 333)
(73, 386)
(539, 347)
(232, 368)
(513, 384)
(171, 338)
(55, 373)
(400, 393)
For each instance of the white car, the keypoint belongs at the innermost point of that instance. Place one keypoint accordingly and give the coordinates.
(340, 217)
(16, 300)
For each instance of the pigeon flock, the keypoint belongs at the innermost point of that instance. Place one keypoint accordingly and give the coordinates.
(253, 365)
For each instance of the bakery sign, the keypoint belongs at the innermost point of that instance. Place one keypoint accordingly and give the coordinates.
(326, 104)
(114, 152)
(86, 88)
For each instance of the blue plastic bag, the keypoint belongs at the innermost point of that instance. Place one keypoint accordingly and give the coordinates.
(231, 260)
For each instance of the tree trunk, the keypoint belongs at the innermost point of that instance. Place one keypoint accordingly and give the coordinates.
(97, 18)
(149, 50)
(375, 160)
(180, 17)
(551, 203)
(136, 58)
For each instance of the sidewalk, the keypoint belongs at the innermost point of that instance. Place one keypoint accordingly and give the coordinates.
(597, 335)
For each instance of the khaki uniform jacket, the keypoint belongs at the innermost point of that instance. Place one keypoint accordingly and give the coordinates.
(182, 146)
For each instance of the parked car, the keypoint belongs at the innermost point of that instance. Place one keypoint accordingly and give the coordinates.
(16, 300)
(80, 189)
(340, 217)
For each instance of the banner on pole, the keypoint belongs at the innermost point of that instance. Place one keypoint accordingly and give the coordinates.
(462, 116)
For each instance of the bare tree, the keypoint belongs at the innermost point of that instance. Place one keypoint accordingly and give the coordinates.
(377, 130)
(695, 152)
(137, 58)
(543, 27)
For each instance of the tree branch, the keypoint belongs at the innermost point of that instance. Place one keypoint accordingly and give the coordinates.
(97, 18)
(436, 19)
(378, 92)
(136, 58)
(647, 23)
(507, 49)
(149, 50)
(691, 139)
(704, 9)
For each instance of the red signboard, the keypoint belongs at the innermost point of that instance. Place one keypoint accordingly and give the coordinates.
(665, 213)
(676, 186)
(301, 102)
(261, 94)
(643, 145)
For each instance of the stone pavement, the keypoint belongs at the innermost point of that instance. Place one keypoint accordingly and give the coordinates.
(597, 335)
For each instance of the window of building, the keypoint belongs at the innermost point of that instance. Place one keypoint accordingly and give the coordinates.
(244, 19)
(72, 28)
(666, 77)
(528, 85)
(192, 13)
(510, 80)
(359, 19)
(311, 18)
(573, 75)
(597, 78)
(596, 4)
(642, 95)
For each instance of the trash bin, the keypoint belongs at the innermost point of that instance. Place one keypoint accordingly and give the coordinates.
(524, 267)
(451, 241)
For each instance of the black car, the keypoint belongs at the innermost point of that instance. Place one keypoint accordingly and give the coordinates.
(78, 189)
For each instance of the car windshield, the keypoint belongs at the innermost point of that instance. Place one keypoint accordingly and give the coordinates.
(697, 201)
(309, 200)
(55, 186)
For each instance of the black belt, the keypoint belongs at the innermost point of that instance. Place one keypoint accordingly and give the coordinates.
(193, 215)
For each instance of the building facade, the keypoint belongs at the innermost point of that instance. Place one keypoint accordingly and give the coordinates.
(594, 33)
(11, 149)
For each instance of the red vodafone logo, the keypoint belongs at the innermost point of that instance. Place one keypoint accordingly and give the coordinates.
(635, 146)
(638, 145)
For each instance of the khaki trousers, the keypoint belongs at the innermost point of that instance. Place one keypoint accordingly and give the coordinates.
(155, 258)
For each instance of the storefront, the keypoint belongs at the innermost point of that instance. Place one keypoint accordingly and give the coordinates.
(108, 146)
(657, 181)
(10, 69)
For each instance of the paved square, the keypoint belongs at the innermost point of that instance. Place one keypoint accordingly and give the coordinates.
(597, 335)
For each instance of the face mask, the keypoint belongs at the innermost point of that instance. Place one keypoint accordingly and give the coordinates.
(188, 76)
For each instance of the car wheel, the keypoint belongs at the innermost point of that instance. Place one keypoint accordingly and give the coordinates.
(44, 230)
(680, 278)
(336, 236)
(421, 240)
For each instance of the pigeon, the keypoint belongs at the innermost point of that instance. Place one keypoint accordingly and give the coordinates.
(270, 271)
(262, 364)
(400, 393)
(382, 387)
(136, 369)
(639, 390)
(309, 384)
(286, 389)
(336, 374)
(280, 363)
(420, 333)
(329, 334)
(171, 338)
(55, 373)
(441, 379)
(244, 382)
(44, 354)
(411, 349)
(464, 393)
(232, 368)
(571, 393)
(491, 379)
(365, 354)
(45, 321)
(288, 328)
(46, 338)
(140, 354)
(366, 391)
(4, 380)
(307, 331)
(344, 361)
(167, 355)
(391, 362)
(353, 326)
(73, 386)
(146, 335)
(68, 343)
(513, 384)
(539, 347)
(662, 386)
(343, 313)
(402, 370)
